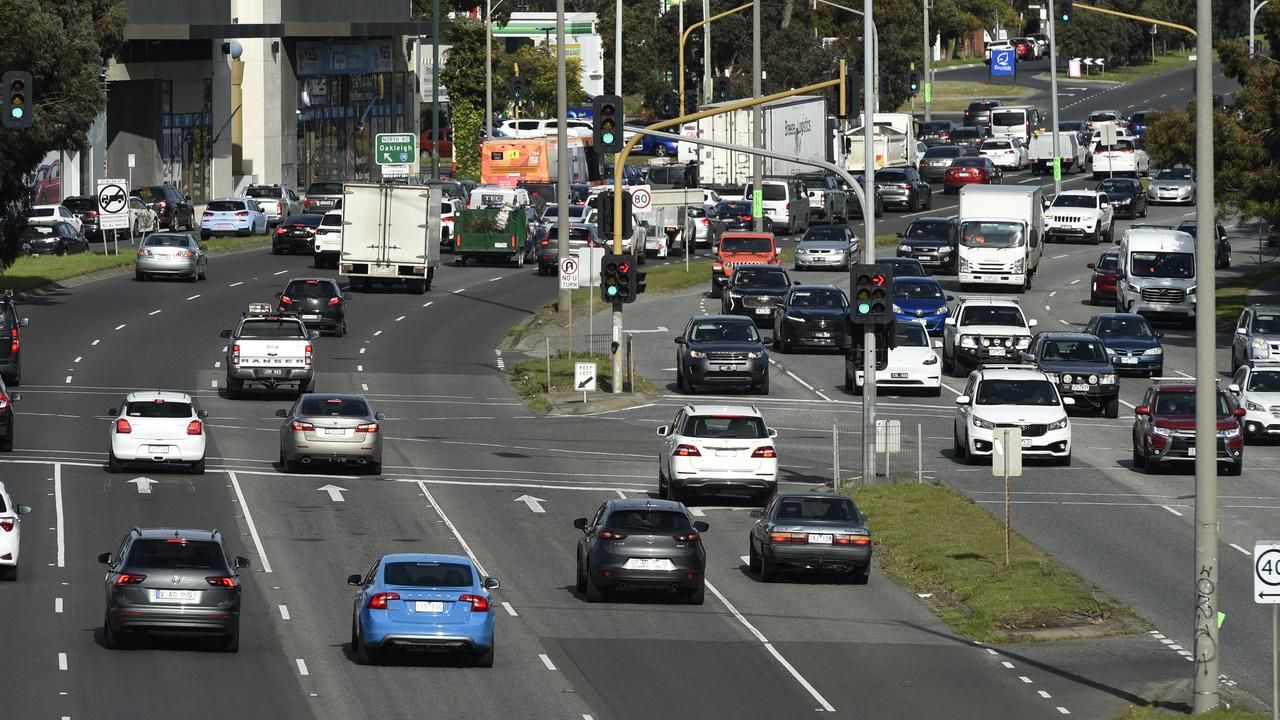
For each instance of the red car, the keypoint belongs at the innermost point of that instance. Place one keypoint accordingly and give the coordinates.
(1024, 49)
(1102, 286)
(1164, 429)
(970, 171)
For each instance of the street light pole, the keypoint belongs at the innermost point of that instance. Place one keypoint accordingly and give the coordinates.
(1253, 13)
(1053, 103)
(562, 160)
(617, 51)
(706, 54)
(488, 70)
(928, 57)
(757, 121)
(435, 89)
(869, 242)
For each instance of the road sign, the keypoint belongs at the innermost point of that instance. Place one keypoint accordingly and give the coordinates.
(888, 436)
(113, 204)
(569, 274)
(1109, 136)
(1006, 452)
(1057, 169)
(928, 92)
(1266, 573)
(641, 197)
(757, 203)
(395, 149)
(584, 377)
(133, 160)
(1002, 62)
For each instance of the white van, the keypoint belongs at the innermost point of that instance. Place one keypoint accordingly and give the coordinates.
(492, 196)
(1157, 272)
(1073, 154)
(1020, 121)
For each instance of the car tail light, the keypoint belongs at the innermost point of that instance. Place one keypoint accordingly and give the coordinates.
(286, 300)
(222, 581)
(206, 213)
(379, 600)
(367, 428)
(513, 241)
(1097, 151)
(786, 537)
(281, 229)
(308, 203)
(851, 540)
(13, 341)
(164, 204)
(309, 351)
(195, 427)
(1111, 276)
(91, 213)
(185, 253)
(687, 451)
(457, 240)
(335, 301)
(765, 451)
(130, 579)
(301, 426)
(546, 243)
(689, 537)
(242, 213)
(905, 186)
(788, 207)
(610, 535)
(235, 354)
(745, 218)
(123, 427)
(1126, 150)
(705, 221)
(479, 603)
(6, 524)
(144, 253)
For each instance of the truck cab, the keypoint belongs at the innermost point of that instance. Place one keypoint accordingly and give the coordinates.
(1001, 235)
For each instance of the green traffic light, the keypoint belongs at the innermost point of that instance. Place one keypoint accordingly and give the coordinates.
(16, 113)
(608, 138)
(864, 308)
(611, 290)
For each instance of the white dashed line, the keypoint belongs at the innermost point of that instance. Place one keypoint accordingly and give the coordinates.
(400, 318)
(1044, 694)
(68, 380)
(376, 333)
(155, 312)
(1061, 709)
(362, 350)
(1025, 679)
(1055, 292)
(1008, 665)
(120, 326)
(193, 297)
(428, 304)
(547, 661)
(236, 283)
(1161, 95)
(364, 386)
(1064, 322)
(280, 273)
(359, 368)
(1246, 552)
(217, 363)
(57, 605)
(510, 610)
(1058, 257)
(1073, 282)
(495, 279)
(95, 342)
(1046, 307)
(459, 291)
(284, 612)
(1175, 512)
(62, 661)
(78, 359)
(302, 667)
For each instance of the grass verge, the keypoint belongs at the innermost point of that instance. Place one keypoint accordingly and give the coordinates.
(1128, 73)
(955, 95)
(1233, 295)
(931, 539)
(35, 270)
(1147, 713)
(530, 377)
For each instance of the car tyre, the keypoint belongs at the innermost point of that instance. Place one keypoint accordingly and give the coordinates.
(969, 457)
(1139, 459)
(1232, 469)
(698, 596)
(768, 572)
(594, 595)
(113, 463)
(580, 579)
(235, 388)
(485, 659)
(753, 557)
(1113, 409)
(716, 293)
(197, 467)
(1151, 464)
(111, 639)
(138, 276)
(935, 392)
(682, 385)
(232, 642)
(364, 656)
(374, 468)
(861, 575)
(763, 387)
(1065, 461)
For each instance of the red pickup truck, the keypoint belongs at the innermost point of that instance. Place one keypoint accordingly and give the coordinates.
(741, 248)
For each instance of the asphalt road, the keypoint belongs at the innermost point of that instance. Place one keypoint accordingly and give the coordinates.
(461, 451)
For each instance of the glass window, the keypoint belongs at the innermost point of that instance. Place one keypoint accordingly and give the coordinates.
(891, 176)
(724, 426)
(996, 145)
(1075, 201)
(181, 241)
(1266, 324)
(226, 205)
(648, 521)
(760, 279)
(1125, 327)
(81, 204)
(427, 574)
(827, 233)
(916, 289)
(747, 244)
(157, 409)
(1264, 382)
(332, 220)
(1109, 261)
(991, 234)
(734, 332)
(729, 209)
(325, 188)
(263, 191)
(314, 289)
(176, 554)
(1162, 265)
(818, 297)
(1008, 118)
(833, 509)
(992, 315)
(272, 329)
(1073, 350)
(772, 191)
(911, 335)
(932, 229)
(1016, 392)
(1183, 402)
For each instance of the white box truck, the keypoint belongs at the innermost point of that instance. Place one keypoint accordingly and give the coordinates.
(1001, 235)
(895, 142)
(795, 125)
(390, 233)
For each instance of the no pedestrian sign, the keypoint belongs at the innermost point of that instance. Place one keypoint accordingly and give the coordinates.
(1266, 573)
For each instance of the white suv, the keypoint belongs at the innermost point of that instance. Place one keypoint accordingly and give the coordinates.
(1080, 215)
(1012, 396)
(717, 449)
(329, 240)
(982, 330)
(1257, 390)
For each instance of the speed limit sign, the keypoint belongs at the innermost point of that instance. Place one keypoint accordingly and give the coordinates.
(641, 197)
(1266, 573)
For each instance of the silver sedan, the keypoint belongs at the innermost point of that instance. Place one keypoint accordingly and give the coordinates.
(172, 254)
(1175, 184)
(331, 428)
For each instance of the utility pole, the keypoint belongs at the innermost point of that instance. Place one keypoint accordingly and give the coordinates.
(617, 53)
(928, 57)
(488, 72)
(562, 158)
(869, 241)
(1253, 13)
(757, 121)
(1205, 639)
(435, 89)
(1053, 103)
(706, 53)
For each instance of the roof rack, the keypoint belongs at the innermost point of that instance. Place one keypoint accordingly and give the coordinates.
(258, 309)
(1008, 366)
(1152, 226)
(966, 298)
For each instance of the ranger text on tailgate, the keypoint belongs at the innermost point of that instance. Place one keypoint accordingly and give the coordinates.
(269, 350)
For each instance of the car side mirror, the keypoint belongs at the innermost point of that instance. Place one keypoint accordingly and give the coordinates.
(105, 558)
(24, 509)
(315, 334)
(203, 414)
(1234, 389)
(15, 397)
(1068, 401)
(379, 416)
(1159, 334)
(492, 583)
(580, 523)
(282, 413)
(241, 562)
(949, 321)
(701, 526)
(346, 296)
(1142, 410)
(1032, 323)
(1028, 357)
(963, 400)
(23, 322)
(757, 514)
(898, 235)
(225, 334)
(662, 430)
(354, 580)
(773, 433)
(1242, 331)
(1238, 412)
(680, 340)
(1092, 266)
(112, 412)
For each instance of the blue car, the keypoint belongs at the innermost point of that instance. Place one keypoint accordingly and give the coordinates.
(1138, 123)
(920, 299)
(425, 603)
(660, 147)
(1132, 346)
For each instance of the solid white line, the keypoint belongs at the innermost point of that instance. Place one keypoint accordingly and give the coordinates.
(193, 297)
(800, 380)
(120, 326)
(302, 667)
(772, 650)
(284, 612)
(62, 661)
(236, 283)
(400, 318)
(58, 514)
(280, 273)
(95, 342)
(449, 524)
(57, 605)
(1175, 512)
(376, 333)
(1246, 552)
(248, 520)
(823, 396)
(510, 610)
(155, 312)
(547, 661)
(78, 359)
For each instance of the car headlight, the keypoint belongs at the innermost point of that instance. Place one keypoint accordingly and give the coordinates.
(1058, 424)
(904, 248)
(1191, 290)
(1229, 432)
(984, 424)
(944, 250)
(897, 308)
(1066, 378)
(1024, 343)
(1019, 265)
(968, 341)
(1161, 431)
(931, 360)
(697, 354)
(1131, 287)
(964, 264)
(1252, 406)
(755, 354)
(1154, 351)
(794, 318)
(1108, 379)
(1259, 344)
(944, 310)
(1093, 379)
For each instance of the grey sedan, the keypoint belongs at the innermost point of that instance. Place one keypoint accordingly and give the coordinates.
(826, 246)
(810, 531)
(1175, 184)
(172, 254)
(332, 428)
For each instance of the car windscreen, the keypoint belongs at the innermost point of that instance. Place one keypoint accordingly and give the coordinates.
(1263, 382)
(1162, 265)
(733, 210)
(1016, 392)
(1109, 261)
(992, 315)
(989, 234)
(263, 191)
(225, 206)
(308, 219)
(929, 229)
(826, 233)
(749, 244)
(1117, 187)
(916, 290)
(181, 241)
(760, 279)
(427, 574)
(818, 298)
(772, 191)
(335, 407)
(175, 554)
(80, 204)
(1085, 351)
(911, 335)
(715, 331)
(801, 509)
(272, 329)
(324, 188)
(1183, 402)
(1174, 174)
(1008, 118)
(996, 145)
(964, 162)
(1076, 201)
(314, 289)
(724, 426)
(157, 409)
(1266, 324)
(891, 176)
(1102, 117)
(1124, 328)
(648, 522)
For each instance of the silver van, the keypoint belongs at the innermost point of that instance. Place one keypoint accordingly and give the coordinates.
(786, 203)
(1156, 273)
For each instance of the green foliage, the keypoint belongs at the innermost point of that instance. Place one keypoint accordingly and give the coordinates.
(65, 45)
(468, 122)
(538, 68)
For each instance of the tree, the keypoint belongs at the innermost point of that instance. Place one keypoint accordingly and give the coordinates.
(65, 45)
(466, 92)
(538, 68)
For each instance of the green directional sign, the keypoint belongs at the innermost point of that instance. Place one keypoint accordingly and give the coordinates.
(757, 203)
(395, 148)
(1057, 169)
(928, 92)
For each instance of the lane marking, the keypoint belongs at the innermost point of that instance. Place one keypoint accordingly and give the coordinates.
(58, 514)
(1061, 709)
(302, 667)
(1246, 552)
(1058, 257)
(800, 380)
(1128, 404)
(193, 297)
(1064, 322)
(217, 363)
(1073, 282)
(1008, 665)
(213, 383)
(400, 318)
(452, 528)
(376, 333)
(284, 612)
(1055, 292)
(1189, 377)
(78, 359)
(281, 273)
(364, 386)
(1046, 307)
(495, 279)
(120, 326)
(621, 494)
(248, 520)
(57, 605)
(772, 650)
(236, 283)
(547, 661)
(362, 350)
(697, 512)
(359, 368)
(428, 303)
(510, 610)
(1175, 512)
(62, 661)
(1044, 694)
(68, 381)
(155, 312)
(95, 342)
(459, 291)
(1025, 679)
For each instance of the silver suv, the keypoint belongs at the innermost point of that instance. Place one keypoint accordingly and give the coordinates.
(172, 582)
(1257, 336)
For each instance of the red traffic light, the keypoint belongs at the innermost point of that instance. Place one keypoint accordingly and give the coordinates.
(624, 267)
(877, 279)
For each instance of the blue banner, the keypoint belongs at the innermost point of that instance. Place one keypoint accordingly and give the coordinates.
(1002, 62)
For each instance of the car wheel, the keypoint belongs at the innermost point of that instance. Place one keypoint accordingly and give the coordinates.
(138, 276)
(113, 464)
(957, 450)
(935, 392)
(716, 293)
(364, 656)
(197, 467)
(1065, 461)
(204, 273)
(763, 387)
(234, 388)
(232, 642)
(374, 468)
(699, 596)
(913, 204)
(861, 575)
(276, 250)
(6, 443)
(1151, 464)
(682, 385)
(969, 457)
(1232, 469)
(753, 558)
(849, 382)
(1113, 409)
(594, 595)
(14, 379)
(341, 331)
(580, 578)
(110, 638)
(768, 572)
(485, 659)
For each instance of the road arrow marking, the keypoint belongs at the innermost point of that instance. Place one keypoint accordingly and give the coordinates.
(535, 504)
(144, 484)
(335, 492)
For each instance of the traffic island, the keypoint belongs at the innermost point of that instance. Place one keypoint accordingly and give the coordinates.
(551, 385)
(940, 545)
(1173, 709)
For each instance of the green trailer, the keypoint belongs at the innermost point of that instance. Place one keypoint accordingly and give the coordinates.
(490, 234)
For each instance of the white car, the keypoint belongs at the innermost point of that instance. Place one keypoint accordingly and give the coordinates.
(328, 239)
(535, 127)
(50, 214)
(1097, 118)
(157, 426)
(1257, 390)
(1018, 396)
(983, 330)
(717, 449)
(1086, 215)
(448, 218)
(997, 45)
(1005, 152)
(10, 534)
(1123, 158)
(913, 363)
(142, 217)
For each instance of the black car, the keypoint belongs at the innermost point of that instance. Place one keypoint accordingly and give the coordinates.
(754, 291)
(297, 234)
(810, 531)
(722, 350)
(11, 351)
(59, 238)
(1079, 365)
(856, 207)
(736, 215)
(904, 266)
(1127, 196)
(319, 302)
(641, 545)
(325, 196)
(1221, 249)
(904, 188)
(85, 207)
(812, 316)
(172, 582)
(937, 132)
(173, 209)
(978, 114)
(932, 241)
(969, 138)
(7, 399)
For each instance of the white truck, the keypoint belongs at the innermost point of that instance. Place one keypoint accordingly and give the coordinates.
(390, 233)
(269, 350)
(1001, 235)
(795, 125)
(664, 220)
(895, 142)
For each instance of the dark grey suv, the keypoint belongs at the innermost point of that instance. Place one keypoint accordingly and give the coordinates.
(721, 350)
(641, 545)
(172, 582)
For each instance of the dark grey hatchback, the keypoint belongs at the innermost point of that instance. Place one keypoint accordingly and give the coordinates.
(641, 545)
(172, 582)
(810, 531)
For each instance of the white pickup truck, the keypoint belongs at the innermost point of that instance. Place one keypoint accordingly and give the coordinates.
(269, 350)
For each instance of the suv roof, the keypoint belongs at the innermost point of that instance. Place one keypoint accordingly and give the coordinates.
(988, 300)
(1010, 372)
(749, 410)
(177, 533)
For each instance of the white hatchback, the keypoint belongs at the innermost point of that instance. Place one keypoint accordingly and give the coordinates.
(157, 426)
(10, 534)
(913, 363)
(1005, 152)
(717, 449)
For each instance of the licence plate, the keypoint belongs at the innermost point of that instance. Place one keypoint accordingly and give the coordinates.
(1128, 361)
(158, 449)
(423, 606)
(763, 311)
(649, 564)
(335, 431)
(820, 539)
(179, 596)
(898, 376)
(1079, 388)
(1191, 451)
(1026, 442)
(382, 270)
(225, 226)
(726, 453)
(822, 334)
(997, 352)
(272, 372)
(310, 317)
(726, 368)
(499, 244)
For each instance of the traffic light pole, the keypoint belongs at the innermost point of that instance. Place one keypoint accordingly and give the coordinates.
(706, 62)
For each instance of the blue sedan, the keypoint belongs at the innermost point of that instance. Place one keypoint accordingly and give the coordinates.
(232, 216)
(920, 298)
(423, 602)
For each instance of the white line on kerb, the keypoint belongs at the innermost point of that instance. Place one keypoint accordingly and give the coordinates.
(1175, 512)
(547, 661)
(121, 326)
(58, 514)
(302, 667)
(1246, 552)
(376, 333)
(248, 520)
(449, 524)
(772, 650)
(284, 612)
(62, 661)
(510, 610)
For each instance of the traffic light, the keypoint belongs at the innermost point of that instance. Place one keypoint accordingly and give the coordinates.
(872, 290)
(618, 278)
(852, 94)
(720, 89)
(636, 280)
(18, 95)
(517, 89)
(1064, 10)
(604, 214)
(667, 105)
(606, 124)
(915, 82)
(691, 100)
